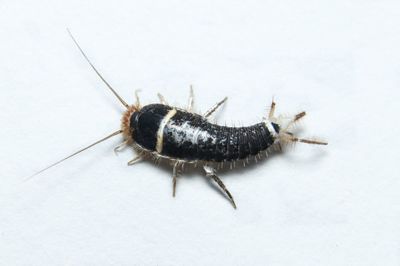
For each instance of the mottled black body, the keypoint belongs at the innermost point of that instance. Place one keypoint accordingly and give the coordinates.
(191, 137)
(145, 123)
(184, 137)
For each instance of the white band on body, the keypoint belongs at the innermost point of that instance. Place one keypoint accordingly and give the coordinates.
(160, 132)
(270, 128)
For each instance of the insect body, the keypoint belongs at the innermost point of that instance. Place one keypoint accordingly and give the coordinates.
(182, 137)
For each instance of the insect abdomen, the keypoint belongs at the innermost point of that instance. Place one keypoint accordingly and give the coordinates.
(235, 143)
(186, 136)
(191, 137)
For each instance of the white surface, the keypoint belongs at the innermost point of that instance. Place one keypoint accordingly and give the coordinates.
(335, 205)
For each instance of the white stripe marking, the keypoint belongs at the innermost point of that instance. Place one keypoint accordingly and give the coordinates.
(160, 132)
(270, 128)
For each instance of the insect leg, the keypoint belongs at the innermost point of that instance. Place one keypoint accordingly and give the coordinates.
(174, 178)
(135, 160)
(215, 108)
(137, 104)
(210, 172)
(162, 99)
(120, 147)
(191, 100)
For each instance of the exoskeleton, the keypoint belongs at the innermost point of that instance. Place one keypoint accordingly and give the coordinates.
(184, 137)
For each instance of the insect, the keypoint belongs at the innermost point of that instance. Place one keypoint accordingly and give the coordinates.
(183, 137)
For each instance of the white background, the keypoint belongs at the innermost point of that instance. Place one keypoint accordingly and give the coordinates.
(335, 205)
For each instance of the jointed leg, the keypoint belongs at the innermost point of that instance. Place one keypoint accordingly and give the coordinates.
(137, 104)
(210, 172)
(215, 108)
(162, 99)
(120, 147)
(174, 178)
(135, 160)
(191, 100)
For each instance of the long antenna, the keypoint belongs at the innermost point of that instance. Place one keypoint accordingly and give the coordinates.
(97, 72)
(76, 153)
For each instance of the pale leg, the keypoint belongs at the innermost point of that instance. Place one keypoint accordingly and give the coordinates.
(135, 160)
(137, 104)
(215, 108)
(210, 172)
(120, 147)
(191, 100)
(162, 99)
(174, 178)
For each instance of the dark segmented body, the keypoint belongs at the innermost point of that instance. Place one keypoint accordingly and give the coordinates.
(190, 137)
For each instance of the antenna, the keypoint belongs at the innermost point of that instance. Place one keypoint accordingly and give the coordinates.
(74, 154)
(97, 72)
